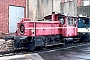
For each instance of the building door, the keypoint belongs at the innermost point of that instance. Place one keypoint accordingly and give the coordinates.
(15, 14)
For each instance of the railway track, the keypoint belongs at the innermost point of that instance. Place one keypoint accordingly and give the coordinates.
(48, 49)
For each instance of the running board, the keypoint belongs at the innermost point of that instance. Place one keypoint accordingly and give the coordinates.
(76, 38)
(55, 44)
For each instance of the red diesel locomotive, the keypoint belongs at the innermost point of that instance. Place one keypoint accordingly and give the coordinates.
(54, 29)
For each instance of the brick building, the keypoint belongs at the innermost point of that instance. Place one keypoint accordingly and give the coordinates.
(10, 13)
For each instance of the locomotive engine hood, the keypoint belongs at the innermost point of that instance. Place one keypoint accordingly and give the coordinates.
(21, 26)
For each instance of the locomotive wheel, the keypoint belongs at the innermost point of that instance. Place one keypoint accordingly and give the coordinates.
(31, 46)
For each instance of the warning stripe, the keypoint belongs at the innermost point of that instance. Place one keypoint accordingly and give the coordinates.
(50, 27)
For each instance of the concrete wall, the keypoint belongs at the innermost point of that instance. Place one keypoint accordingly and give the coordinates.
(69, 7)
(37, 9)
(56, 6)
(31, 9)
(44, 8)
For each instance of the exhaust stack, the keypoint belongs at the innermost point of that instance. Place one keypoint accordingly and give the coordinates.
(53, 16)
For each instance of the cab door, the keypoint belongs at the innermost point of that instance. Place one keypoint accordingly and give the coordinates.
(62, 25)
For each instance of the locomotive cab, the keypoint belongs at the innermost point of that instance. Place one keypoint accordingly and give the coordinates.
(67, 25)
(69, 28)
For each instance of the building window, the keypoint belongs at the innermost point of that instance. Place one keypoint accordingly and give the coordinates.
(86, 2)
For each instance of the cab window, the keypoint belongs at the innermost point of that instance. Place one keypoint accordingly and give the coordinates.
(86, 21)
(61, 19)
(70, 21)
(75, 22)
